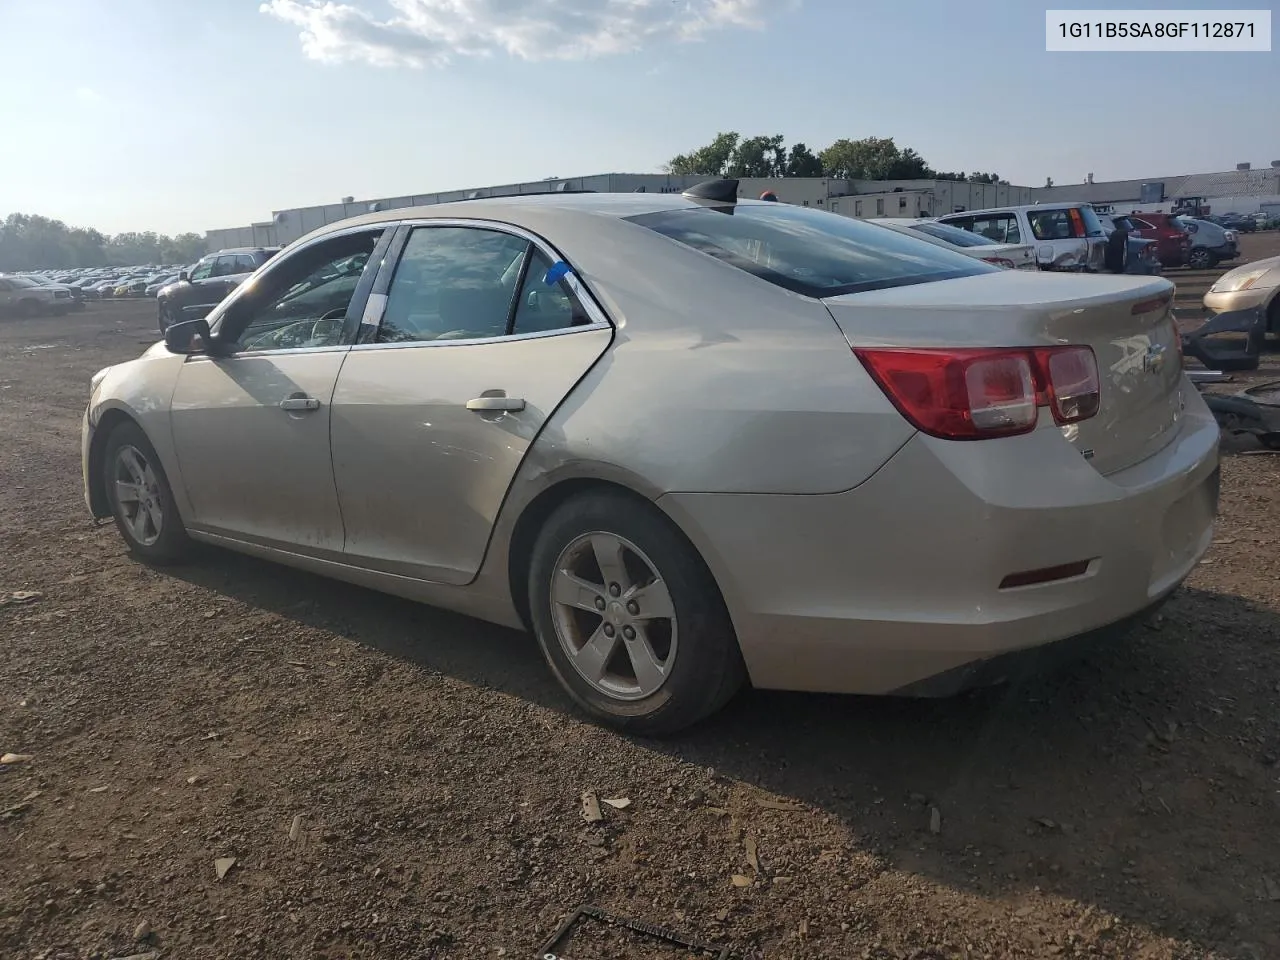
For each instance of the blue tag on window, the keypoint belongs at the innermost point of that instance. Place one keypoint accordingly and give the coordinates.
(558, 271)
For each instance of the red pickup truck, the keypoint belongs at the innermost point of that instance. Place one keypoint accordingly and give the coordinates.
(1173, 244)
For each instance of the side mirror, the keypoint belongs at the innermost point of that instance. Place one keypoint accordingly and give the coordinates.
(183, 276)
(188, 336)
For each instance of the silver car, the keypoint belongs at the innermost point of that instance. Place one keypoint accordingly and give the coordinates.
(688, 441)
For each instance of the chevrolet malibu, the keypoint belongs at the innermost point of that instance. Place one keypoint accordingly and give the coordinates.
(687, 441)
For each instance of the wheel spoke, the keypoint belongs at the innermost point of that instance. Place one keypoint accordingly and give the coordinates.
(649, 671)
(157, 516)
(129, 457)
(138, 523)
(593, 659)
(654, 600)
(608, 551)
(575, 592)
(128, 492)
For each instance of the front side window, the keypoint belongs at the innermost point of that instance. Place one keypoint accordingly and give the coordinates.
(808, 251)
(454, 283)
(303, 301)
(203, 270)
(225, 265)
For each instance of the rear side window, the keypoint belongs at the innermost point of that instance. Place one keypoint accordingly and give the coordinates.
(953, 235)
(809, 251)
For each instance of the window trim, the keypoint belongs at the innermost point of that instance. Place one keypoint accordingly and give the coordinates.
(371, 319)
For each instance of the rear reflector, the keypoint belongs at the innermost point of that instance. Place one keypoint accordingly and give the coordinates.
(1147, 306)
(978, 394)
(1029, 578)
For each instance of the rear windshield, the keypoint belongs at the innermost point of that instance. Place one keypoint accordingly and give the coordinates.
(954, 235)
(810, 252)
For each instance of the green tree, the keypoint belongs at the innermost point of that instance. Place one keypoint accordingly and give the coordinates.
(873, 158)
(709, 161)
(986, 178)
(759, 157)
(802, 162)
(33, 242)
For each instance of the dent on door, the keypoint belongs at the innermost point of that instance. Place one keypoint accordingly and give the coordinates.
(427, 440)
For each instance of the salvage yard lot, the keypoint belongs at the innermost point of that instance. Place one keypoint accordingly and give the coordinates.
(395, 781)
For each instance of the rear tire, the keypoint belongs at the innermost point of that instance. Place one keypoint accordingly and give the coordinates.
(1199, 259)
(141, 499)
(642, 641)
(29, 308)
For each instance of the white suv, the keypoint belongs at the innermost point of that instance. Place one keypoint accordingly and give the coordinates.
(26, 298)
(1067, 236)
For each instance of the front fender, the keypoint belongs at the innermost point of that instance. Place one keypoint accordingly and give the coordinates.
(139, 390)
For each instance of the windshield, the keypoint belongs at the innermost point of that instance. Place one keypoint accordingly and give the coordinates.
(807, 251)
(23, 282)
(954, 235)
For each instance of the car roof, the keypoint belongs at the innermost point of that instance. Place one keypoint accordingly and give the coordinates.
(617, 205)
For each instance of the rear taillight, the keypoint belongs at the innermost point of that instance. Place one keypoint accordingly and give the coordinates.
(1000, 262)
(977, 394)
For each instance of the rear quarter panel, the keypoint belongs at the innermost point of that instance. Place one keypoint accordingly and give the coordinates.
(716, 381)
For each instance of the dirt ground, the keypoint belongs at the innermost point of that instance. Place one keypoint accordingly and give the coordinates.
(394, 781)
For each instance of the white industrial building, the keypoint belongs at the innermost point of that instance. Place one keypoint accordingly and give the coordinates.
(852, 198)
(1239, 191)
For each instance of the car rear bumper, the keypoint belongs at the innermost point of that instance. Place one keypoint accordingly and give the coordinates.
(883, 587)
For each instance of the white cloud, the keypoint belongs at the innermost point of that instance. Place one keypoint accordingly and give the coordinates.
(422, 33)
(88, 95)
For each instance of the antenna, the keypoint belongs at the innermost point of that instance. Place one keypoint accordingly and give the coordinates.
(723, 191)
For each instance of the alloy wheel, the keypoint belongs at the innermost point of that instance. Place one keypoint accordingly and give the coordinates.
(613, 616)
(137, 492)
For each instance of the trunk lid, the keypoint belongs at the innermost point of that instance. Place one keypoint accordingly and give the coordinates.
(1126, 320)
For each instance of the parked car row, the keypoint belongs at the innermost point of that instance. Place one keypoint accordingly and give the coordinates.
(1073, 236)
(101, 283)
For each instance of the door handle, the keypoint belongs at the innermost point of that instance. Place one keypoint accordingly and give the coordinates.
(496, 403)
(300, 403)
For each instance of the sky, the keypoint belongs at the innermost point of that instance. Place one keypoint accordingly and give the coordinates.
(177, 115)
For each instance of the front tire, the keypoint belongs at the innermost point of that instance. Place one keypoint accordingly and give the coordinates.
(629, 617)
(141, 499)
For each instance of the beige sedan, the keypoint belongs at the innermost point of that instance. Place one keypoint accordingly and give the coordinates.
(687, 441)
(1255, 284)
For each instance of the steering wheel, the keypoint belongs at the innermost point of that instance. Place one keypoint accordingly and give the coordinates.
(290, 331)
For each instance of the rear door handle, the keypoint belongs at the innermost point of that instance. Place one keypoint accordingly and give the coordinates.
(300, 403)
(496, 403)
